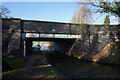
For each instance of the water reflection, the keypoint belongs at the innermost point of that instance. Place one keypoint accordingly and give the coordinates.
(75, 68)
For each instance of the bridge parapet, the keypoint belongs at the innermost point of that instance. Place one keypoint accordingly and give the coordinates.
(50, 27)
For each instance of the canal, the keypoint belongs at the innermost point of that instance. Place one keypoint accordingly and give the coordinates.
(72, 67)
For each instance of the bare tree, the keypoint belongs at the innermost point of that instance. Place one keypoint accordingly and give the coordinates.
(4, 11)
(82, 14)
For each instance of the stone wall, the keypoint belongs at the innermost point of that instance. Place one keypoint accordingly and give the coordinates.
(10, 36)
(97, 44)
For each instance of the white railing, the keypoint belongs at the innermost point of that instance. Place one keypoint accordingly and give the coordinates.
(36, 35)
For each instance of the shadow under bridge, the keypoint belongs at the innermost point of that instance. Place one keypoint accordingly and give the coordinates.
(61, 45)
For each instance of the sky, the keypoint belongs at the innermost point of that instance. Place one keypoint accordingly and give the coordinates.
(49, 11)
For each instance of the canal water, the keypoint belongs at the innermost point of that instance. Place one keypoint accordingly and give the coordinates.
(72, 67)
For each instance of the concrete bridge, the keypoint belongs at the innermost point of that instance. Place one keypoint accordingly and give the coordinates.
(18, 35)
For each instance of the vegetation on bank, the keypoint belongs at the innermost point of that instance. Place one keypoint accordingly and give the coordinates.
(114, 54)
(34, 66)
(109, 54)
(46, 71)
(16, 62)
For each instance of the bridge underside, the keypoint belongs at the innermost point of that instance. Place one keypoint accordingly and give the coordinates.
(61, 45)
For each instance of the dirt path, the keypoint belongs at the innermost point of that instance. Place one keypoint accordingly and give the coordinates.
(31, 66)
(36, 67)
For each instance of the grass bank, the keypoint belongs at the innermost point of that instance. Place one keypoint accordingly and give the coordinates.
(35, 66)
